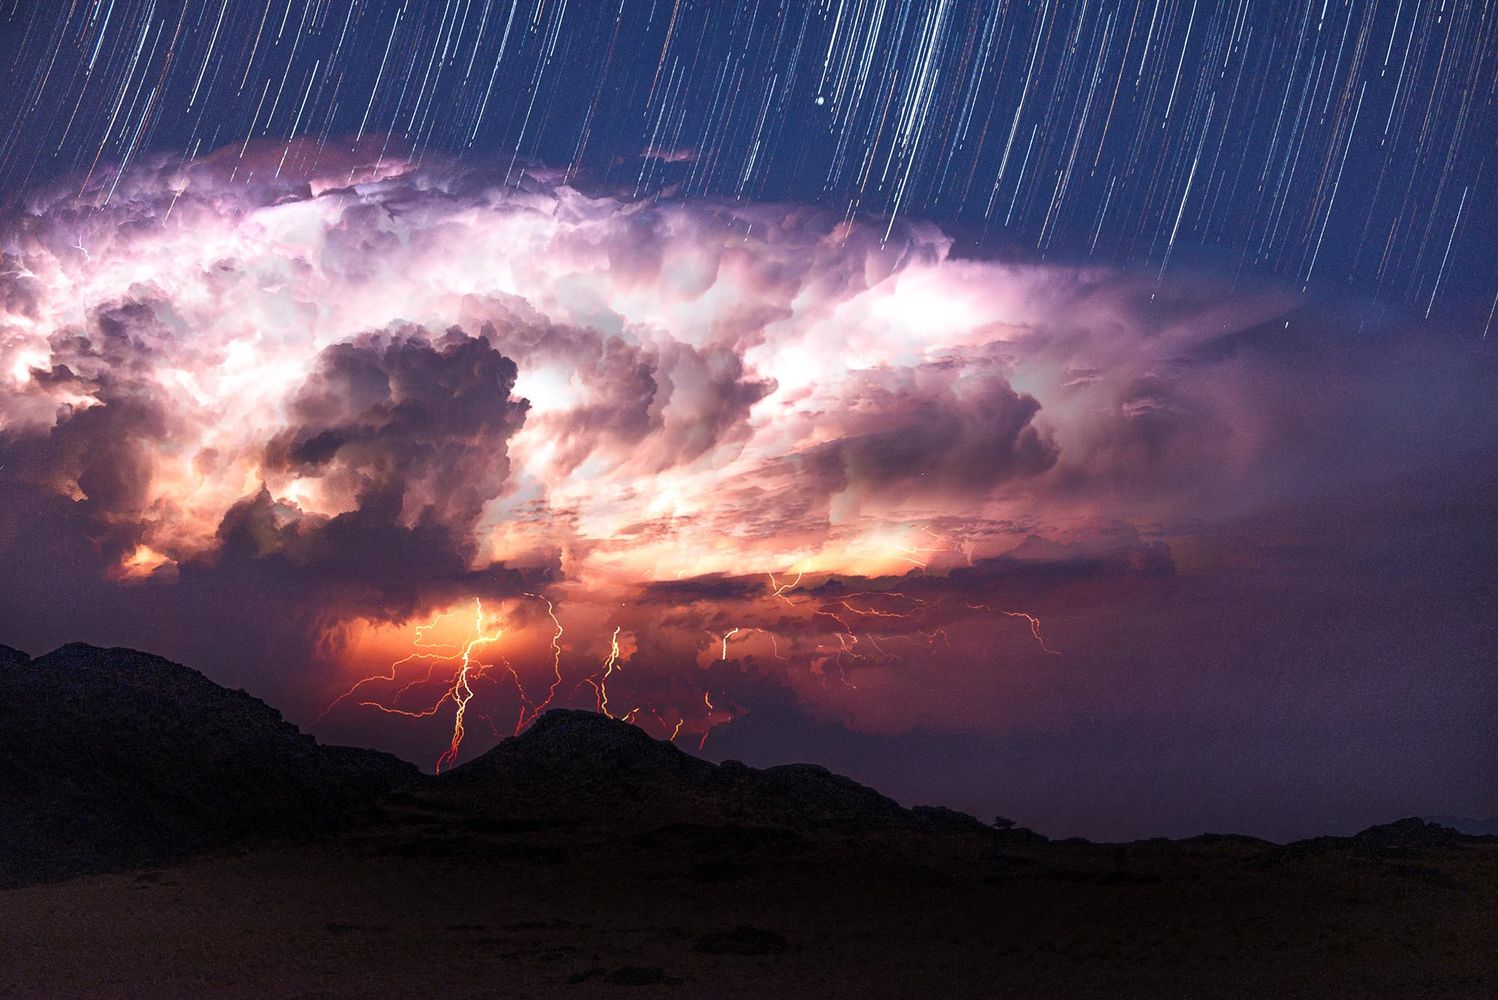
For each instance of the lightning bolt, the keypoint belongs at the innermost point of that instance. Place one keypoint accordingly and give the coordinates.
(556, 659)
(461, 693)
(707, 726)
(420, 632)
(601, 685)
(781, 589)
(1033, 622)
(838, 646)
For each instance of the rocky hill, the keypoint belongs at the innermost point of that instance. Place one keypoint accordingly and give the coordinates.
(576, 765)
(110, 758)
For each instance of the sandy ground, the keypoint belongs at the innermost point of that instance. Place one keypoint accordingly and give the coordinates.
(429, 905)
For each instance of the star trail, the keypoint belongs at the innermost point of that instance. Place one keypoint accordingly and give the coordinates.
(1333, 141)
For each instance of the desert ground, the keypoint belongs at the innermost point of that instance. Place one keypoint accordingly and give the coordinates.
(426, 901)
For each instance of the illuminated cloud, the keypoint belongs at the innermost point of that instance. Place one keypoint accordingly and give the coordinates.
(742, 441)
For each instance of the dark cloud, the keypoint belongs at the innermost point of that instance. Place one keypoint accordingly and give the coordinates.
(403, 424)
(411, 430)
(702, 589)
(933, 429)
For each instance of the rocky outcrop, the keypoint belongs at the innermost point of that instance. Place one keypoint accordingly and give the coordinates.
(573, 764)
(110, 758)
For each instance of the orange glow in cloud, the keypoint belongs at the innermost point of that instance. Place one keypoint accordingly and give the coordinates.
(445, 650)
(437, 667)
(142, 563)
(521, 653)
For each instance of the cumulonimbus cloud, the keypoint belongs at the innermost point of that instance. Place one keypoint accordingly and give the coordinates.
(381, 389)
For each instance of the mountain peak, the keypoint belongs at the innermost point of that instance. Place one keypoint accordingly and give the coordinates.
(572, 731)
(1411, 831)
(584, 747)
(581, 764)
(113, 757)
(573, 725)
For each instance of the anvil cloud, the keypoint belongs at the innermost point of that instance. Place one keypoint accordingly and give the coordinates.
(269, 423)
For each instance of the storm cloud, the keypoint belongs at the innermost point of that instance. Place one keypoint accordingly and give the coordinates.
(748, 456)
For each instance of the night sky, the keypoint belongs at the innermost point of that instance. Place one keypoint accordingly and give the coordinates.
(1078, 411)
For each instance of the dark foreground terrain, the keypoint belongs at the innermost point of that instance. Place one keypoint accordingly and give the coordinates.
(585, 859)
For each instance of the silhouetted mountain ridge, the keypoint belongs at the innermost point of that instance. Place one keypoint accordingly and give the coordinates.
(579, 764)
(111, 758)
(1469, 825)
